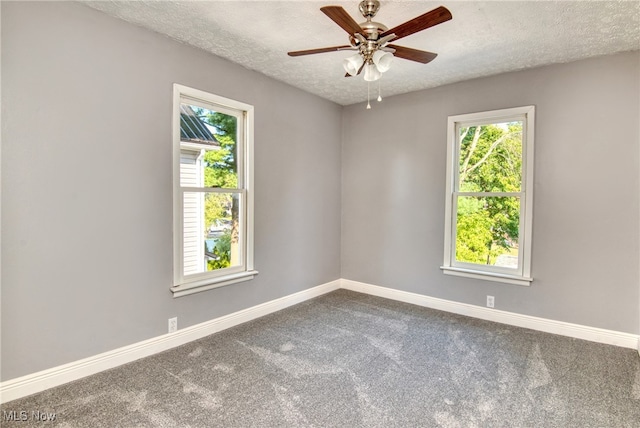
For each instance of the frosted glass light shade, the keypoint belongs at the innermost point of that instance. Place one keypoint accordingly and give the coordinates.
(352, 64)
(371, 73)
(382, 60)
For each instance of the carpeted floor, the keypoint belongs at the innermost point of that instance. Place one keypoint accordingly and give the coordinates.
(352, 360)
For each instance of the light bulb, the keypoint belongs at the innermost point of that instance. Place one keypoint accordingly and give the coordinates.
(371, 73)
(382, 60)
(352, 64)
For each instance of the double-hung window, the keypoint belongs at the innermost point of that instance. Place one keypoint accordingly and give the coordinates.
(488, 218)
(213, 191)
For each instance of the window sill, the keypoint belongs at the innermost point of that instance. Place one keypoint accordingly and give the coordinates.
(209, 283)
(487, 276)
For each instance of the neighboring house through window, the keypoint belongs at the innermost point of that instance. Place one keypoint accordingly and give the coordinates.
(213, 191)
(488, 219)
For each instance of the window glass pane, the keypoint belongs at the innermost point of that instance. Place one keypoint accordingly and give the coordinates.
(490, 157)
(212, 233)
(208, 143)
(487, 230)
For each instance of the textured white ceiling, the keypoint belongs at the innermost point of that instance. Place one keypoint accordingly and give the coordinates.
(482, 39)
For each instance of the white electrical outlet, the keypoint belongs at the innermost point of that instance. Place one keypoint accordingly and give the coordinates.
(173, 325)
(490, 301)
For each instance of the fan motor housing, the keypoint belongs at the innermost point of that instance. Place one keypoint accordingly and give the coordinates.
(369, 8)
(373, 29)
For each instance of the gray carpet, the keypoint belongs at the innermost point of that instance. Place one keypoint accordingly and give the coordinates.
(351, 360)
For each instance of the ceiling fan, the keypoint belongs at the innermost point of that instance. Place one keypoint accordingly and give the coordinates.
(371, 39)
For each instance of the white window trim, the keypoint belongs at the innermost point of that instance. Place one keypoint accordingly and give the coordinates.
(522, 275)
(207, 280)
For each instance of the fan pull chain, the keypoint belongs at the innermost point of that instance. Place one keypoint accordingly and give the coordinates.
(379, 95)
(368, 96)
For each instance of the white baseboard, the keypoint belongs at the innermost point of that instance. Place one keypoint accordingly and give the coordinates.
(39, 381)
(577, 331)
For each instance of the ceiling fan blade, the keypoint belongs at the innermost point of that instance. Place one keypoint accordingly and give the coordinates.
(321, 50)
(436, 16)
(423, 57)
(340, 16)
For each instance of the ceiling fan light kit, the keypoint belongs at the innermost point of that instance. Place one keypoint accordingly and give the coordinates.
(382, 60)
(371, 73)
(370, 39)
(353, 63)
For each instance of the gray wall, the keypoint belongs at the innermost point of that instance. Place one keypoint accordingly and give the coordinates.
(585, 238)
(86, 185)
